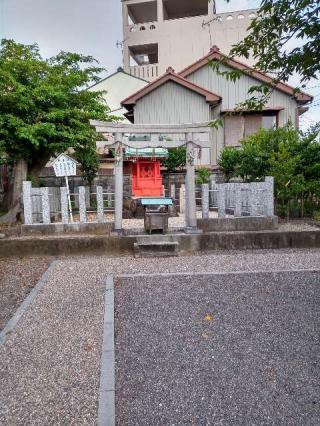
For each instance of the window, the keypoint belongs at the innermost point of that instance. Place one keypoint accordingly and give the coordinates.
(240, 16)
(238, 127)
(229, 18)
(269, 122)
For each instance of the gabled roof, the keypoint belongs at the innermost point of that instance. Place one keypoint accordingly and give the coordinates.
(119, 71)
(215, 54)
(170, 75)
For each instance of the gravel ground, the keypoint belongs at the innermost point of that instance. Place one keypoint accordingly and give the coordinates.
(17, 277)
(218, 350)
(50, 364)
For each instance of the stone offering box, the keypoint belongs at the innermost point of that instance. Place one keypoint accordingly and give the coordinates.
(156, 215)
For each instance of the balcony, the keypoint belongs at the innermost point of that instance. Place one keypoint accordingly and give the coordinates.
(146, 72)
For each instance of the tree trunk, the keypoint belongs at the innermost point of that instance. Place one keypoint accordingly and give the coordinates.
(19, 175)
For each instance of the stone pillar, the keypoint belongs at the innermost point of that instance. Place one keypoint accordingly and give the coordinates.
(238, 201)
(212, 193)
(27, 202)
(160, 10)
(118, 173)
(45, 205)
(100, 208)
(221, 201)
(64, 205)
(182, 199)
(173, 191)
(190, 185)
(253, 197)
(82, 204)
(269, 196)
(205, 201)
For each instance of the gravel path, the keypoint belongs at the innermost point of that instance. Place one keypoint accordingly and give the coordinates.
(218, 350)
(50, 364)
(17, 278)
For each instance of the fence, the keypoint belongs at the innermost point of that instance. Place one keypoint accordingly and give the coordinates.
(239, 199)
(46, 205)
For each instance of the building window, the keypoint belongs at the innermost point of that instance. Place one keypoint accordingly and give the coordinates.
(229, 18)
(269, 122)
(240, 16)
(238, 127)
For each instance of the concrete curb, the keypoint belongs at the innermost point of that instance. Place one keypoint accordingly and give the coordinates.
(204, 274)
(12, 323)
(106, 410)
(124, 245)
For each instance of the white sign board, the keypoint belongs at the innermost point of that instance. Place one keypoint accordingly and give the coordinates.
(64, 166)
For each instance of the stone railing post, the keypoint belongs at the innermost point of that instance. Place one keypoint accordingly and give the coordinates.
(173, 191)
(238, 201)
(254, 198)
(118, 173)
(191, 214)
(205, 200)
(82, 204)
(269, 196)
(64, 205)
(221, 201)
(100, 207)
(45, 201)
(182, 199)
(213, 187)
(27, 202)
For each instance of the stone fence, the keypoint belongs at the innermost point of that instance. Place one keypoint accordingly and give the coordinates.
(42, 204)
(239, 199)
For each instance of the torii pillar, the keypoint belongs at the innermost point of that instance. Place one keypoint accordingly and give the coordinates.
(118, 175)
(191, 213)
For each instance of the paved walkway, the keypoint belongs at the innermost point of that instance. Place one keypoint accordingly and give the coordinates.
(50, 363)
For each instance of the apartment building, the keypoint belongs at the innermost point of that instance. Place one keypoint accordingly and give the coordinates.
(162, 33)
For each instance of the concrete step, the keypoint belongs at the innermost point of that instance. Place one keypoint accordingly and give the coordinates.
(160, 247)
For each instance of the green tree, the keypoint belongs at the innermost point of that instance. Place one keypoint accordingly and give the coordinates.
(269, 43)
(291, 157)
(203, 176)
(44, 110)
(176, 159)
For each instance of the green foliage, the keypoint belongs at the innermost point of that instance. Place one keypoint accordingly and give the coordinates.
(291, 157)
(45, 108)
(269, 43)
(229, 162)
(203, 176)
(176, 159)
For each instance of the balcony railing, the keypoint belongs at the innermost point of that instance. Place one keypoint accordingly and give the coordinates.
(146, 72)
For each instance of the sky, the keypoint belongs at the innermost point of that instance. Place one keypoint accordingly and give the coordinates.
(93, 27)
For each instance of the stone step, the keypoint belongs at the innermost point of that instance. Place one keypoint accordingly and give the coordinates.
(156, 248)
